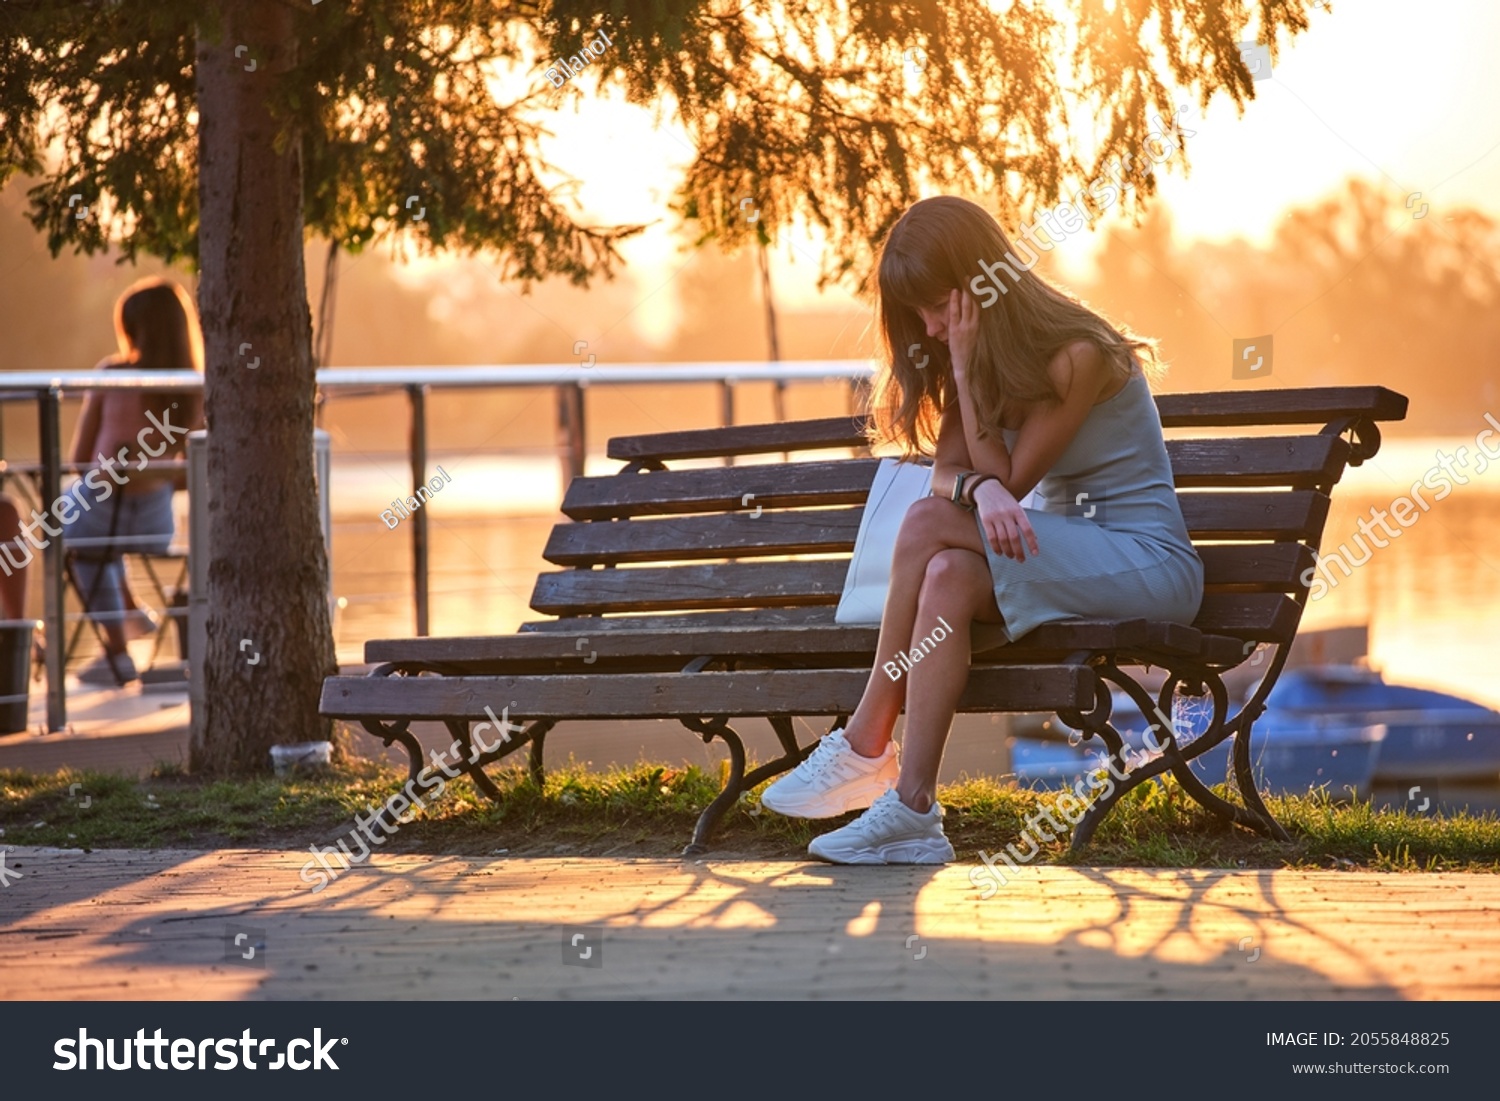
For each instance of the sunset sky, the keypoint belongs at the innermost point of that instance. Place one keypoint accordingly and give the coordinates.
(1396, 94)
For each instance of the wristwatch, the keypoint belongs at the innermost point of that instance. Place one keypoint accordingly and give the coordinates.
(958, 486)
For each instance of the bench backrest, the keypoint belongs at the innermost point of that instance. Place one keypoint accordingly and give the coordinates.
(657, 542)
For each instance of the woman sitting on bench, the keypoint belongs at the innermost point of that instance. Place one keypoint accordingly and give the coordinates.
(123, 506)
(1029, 390)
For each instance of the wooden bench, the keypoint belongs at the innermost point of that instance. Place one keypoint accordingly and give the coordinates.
(676, 597)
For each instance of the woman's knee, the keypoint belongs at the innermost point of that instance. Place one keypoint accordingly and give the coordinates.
(921, 519)
(954, 581)
(929, 527)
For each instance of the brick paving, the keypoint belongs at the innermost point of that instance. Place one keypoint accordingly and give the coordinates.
(134, 924)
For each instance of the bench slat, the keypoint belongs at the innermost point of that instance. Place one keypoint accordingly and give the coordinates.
(747, 439)
(789, 692)
(809, 615)
(738, 534)
(1266, 617)
(1309, 405)
(664, 588)
(720, 489)
(1296, 461)
(1257, 566)
(1255, 514)
(1261, 617)
(1279, 515)
(1312, 405)
(606, 640)
(833, 531)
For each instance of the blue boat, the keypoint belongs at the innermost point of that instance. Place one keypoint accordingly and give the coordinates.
(1291, 753)
(1429, 735)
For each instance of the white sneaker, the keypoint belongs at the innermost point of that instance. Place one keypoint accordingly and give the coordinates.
(832, 781)
(889, 832)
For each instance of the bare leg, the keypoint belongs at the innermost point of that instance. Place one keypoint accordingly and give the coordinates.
(958, 589)
(931, 527)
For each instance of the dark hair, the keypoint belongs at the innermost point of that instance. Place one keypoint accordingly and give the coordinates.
(157, 327)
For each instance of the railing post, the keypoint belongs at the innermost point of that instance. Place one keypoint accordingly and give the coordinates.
(417, 395)
(726, 403)
(726, 410)
(53, 610)
(572, 441)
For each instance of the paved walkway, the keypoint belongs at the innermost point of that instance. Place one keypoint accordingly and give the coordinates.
(129, 924)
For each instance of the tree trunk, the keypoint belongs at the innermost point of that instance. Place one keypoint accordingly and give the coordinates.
(267, 568)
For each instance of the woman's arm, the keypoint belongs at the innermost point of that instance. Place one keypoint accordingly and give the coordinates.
(951, 455)
(1080, 375)
(987, 454)
(86, 434)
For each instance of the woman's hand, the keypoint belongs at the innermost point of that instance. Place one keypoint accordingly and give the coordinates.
(1003, 521)
(963, 331)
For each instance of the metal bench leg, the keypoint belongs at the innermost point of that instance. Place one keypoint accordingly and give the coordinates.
(786, 734)
(537, 735)
(1253, 815)
(1226, 810)
(709, 729)
(398, 732)
(474, 764)
(1244, 778)
(459, 728)
(1100, 807)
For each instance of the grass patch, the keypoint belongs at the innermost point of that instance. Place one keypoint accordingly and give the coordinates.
(650, 810)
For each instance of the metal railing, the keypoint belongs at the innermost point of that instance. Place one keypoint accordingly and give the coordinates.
(571, 381)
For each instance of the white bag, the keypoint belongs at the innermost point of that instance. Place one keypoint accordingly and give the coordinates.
(896, 486)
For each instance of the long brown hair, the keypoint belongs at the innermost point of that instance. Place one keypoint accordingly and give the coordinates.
(935, 247)
(157, 327)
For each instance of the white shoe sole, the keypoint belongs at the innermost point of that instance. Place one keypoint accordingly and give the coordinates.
(828, 806)
(911, 851)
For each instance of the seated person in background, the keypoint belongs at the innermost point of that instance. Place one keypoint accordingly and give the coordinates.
(123, 503)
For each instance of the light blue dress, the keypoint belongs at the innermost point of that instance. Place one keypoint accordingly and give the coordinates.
(1112, 538)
